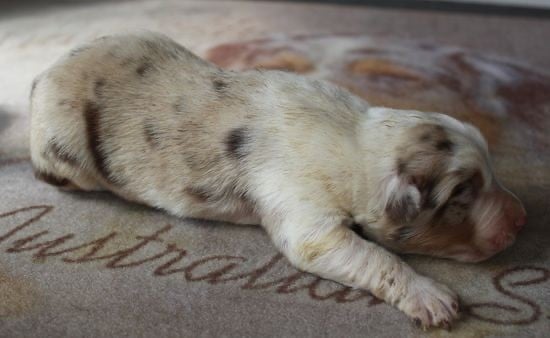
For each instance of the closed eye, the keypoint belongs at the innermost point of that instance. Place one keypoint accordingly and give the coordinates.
(459, 189)
(469, 187)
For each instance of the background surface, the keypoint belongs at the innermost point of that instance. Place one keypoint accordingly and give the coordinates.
(94, 265)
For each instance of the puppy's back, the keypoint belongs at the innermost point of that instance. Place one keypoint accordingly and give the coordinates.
(110, 87)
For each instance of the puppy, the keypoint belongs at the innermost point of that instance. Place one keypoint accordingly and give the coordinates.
(335, 182)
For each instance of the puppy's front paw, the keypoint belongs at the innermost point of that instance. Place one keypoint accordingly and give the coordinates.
(429, 303)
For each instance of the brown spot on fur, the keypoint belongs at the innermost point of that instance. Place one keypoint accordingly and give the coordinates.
(219, 85)
(434, 135)
(61, 153)
(92, 115)
(444, 145)
(313, 249)
(198, 194)
(402, 209)
(178, 106)
(452, 213)
(401, 166)
(441, 237)
(429, 131)
(422, 161)
(99, 86)
(152, 45)
(235, 142)
(146, 66)
(51, 179)
(151, 135)
(450, 224)
(403, 233)
(426, 137)
(426, 188)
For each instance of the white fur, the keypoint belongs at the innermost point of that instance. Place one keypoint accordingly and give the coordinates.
(316, 158)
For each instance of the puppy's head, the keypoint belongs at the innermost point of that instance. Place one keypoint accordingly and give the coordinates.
(440, 196)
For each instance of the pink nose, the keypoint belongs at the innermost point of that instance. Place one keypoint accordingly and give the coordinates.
(515, 216)
(513, 220)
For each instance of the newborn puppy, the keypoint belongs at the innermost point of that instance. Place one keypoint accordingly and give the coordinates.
(332, 180)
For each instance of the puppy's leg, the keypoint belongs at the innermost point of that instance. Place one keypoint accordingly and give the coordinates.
(326, 247)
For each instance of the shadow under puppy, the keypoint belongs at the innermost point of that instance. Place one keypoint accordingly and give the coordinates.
(317, 167)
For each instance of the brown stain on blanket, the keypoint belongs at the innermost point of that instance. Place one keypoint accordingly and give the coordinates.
(16, 296)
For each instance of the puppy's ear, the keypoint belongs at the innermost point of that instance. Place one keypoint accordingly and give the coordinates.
(403, 199)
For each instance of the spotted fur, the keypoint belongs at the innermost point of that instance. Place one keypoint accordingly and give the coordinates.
(335, 182)
(236, 142)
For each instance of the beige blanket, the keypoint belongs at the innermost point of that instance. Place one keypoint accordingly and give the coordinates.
(92, 265)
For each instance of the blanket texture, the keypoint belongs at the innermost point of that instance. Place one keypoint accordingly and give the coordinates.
(93, 265)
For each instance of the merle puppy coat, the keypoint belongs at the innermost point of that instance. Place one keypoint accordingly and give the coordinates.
(335, 182)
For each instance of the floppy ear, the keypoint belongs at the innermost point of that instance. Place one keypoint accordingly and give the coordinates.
(403, 199)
